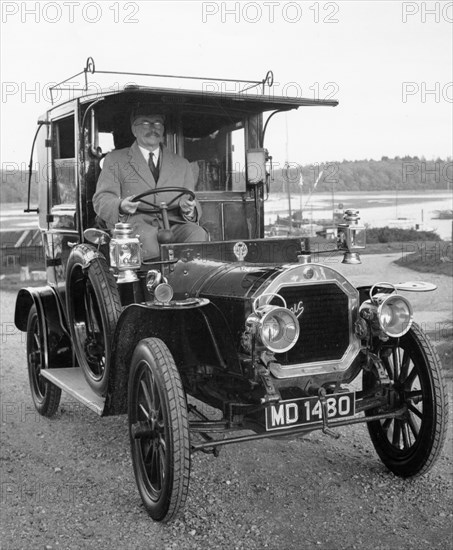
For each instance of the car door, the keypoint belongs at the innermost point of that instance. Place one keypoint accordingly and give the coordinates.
(62, 223)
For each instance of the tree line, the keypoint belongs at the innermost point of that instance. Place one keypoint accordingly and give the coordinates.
(402, 173)
(14, 186)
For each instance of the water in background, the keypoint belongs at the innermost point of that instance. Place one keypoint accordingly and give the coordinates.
(404, 209)
(376, 209)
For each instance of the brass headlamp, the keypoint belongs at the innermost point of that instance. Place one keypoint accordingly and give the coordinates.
(125, 253)
(275, 328)
(389, 313)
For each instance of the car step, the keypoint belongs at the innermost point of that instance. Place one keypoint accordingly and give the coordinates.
(72, 381)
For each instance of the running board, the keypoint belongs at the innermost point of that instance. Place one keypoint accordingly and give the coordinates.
(72, 381)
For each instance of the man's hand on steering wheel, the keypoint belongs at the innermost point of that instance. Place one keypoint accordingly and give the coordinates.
(187, 206)
(128, 206)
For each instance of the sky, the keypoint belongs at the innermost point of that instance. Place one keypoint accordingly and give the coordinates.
(389, 64)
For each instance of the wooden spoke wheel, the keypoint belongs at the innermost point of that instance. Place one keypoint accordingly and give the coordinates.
(94, 307)
(159, 430)
(409, 445)
(46, 396)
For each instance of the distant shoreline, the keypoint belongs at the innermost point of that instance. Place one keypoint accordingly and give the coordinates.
(20, 205)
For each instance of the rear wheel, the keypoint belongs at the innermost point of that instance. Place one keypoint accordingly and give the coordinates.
(410, 445)
(159, 430)
(46, 396)
(94, 307)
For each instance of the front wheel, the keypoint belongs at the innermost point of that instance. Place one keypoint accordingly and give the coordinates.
(46, 396)
(410, 445)
(158, 429)
(94, 307)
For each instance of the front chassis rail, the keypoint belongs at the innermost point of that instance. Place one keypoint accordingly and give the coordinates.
(212, 444)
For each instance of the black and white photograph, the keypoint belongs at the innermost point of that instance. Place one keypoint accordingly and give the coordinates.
(226, 275)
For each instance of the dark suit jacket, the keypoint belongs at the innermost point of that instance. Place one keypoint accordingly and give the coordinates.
(125, 172)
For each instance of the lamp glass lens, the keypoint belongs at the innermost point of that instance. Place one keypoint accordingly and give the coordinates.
(272, 329)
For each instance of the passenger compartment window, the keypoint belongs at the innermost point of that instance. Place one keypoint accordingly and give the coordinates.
(106, 142)
(217, 158)
(64, 162)
(237, 173)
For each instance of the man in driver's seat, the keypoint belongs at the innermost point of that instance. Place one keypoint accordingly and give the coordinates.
(144, 166)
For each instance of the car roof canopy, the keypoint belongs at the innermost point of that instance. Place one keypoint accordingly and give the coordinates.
(245, 100)
(209, 109)
(201, 111)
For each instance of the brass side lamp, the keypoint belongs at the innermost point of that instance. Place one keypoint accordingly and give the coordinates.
(125, 253)
(351, 237)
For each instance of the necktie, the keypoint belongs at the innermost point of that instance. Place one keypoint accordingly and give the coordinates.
(154, 169)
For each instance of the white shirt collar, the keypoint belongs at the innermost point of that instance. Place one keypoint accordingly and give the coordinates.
(146, 153)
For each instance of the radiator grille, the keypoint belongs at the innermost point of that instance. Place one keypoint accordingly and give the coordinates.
(324, 323)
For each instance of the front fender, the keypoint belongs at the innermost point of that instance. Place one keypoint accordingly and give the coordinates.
(194, 335)
(84, 254)
(56, 336)
(409, 286)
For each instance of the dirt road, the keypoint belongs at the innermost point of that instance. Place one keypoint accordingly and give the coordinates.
(68, 482)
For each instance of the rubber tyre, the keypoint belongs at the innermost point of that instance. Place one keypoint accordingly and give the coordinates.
(46, 396)
(158, 430)
(410, 446)
(94, 306)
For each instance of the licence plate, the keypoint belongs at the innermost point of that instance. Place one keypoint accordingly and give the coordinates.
(308, 410)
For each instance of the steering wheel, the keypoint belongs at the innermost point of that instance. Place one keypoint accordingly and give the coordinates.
(156, 209)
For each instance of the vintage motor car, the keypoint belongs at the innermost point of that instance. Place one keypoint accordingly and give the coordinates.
(262, 332)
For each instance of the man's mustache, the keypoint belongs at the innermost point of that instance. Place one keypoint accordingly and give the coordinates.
(152, 133)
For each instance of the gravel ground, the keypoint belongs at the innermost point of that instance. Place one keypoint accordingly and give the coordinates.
(68, 482)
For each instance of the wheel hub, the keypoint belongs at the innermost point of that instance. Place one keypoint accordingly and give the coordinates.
(146, 429)
(142, 430)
